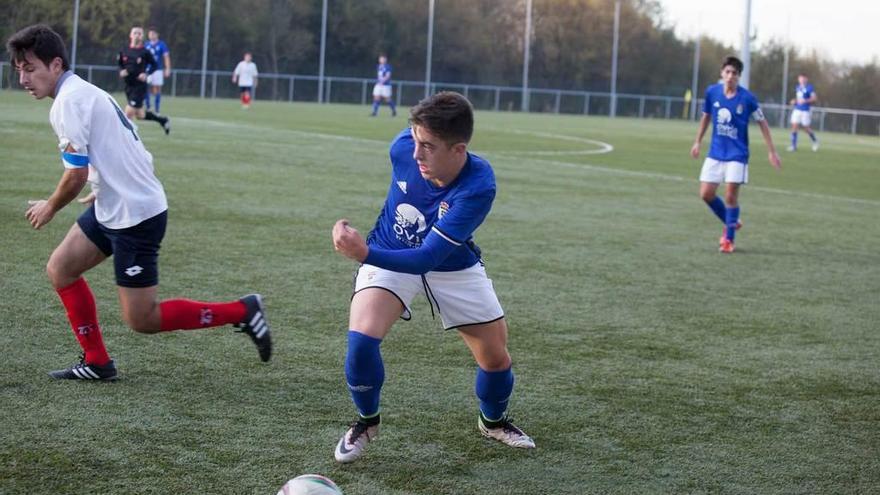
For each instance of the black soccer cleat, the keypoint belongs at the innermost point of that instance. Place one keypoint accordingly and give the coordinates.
(256, 326)
(166, 125)
(85, 371)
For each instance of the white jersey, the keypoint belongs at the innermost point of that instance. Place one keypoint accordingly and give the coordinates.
(88, 121)
(246, 72)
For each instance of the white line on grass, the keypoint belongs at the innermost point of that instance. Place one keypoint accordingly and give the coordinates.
(604, 148)
(674, 178)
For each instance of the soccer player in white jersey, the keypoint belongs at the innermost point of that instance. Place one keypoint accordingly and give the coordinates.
(805, 97)
(422, 243)
(730, 107)
(382, 88)
(245, 74)
(126, 216)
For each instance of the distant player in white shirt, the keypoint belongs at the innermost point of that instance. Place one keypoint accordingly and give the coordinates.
(245, 74)
(126, 216)
(801, 116)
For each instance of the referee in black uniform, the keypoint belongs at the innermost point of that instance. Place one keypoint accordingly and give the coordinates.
(135, 63)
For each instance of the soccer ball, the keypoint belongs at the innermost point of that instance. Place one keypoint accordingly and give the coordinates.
(310, 484)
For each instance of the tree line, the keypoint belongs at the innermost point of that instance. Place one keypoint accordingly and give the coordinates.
(475, 42)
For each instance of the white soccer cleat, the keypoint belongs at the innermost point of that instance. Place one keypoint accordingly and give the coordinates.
(791, 148)
(815, 145)
(352, 444)
(506, 433)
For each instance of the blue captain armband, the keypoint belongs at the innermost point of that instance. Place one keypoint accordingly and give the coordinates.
(72, 160)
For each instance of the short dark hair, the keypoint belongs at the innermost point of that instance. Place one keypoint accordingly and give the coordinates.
(733, 62)
(153, 29)
(40, 39)
(447, 114)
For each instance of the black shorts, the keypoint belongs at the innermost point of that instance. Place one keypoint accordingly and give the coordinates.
(243, 89)
(135, 94)
(135, 250)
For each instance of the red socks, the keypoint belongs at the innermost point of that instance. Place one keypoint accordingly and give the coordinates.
(185, 314)
(79, 302)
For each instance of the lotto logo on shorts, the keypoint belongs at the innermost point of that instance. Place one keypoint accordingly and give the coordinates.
(133, 270)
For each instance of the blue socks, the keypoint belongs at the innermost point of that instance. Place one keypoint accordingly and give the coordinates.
(364, 372)
(718, 208)
(732, 218)
(158, 101)
(375, 106)
(794, 139)
(812, 137)
(493, 388)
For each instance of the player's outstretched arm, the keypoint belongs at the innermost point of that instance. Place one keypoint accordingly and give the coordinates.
(701, 131)
(40, 212)
(771, 154)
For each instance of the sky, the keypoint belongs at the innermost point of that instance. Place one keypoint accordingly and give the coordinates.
(840, 30)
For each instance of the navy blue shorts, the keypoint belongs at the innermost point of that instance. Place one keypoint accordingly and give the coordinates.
(242, 89)
(135, 250)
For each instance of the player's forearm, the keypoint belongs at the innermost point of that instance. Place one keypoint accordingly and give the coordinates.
(416, 261)
(768, 139)
(69, 187)
(701, 129)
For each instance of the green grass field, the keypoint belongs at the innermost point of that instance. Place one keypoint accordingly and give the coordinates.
(646, 361)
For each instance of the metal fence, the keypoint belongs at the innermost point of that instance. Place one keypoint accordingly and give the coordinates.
(295, 87)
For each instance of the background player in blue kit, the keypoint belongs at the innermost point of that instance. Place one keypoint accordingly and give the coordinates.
(126, 217)
(423, 243)
(382, 88)
(730, 107)
(162, 55)
(804, 98)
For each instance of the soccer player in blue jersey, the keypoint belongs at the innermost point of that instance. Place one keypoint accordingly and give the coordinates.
(162, 70)
(730, 107)
(804, 98)
(382, 88)
(422, 243)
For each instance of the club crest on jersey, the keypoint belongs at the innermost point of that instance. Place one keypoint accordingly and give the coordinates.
(444, 208)
(409, 222)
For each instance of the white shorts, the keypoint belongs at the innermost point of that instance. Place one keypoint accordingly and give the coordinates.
(382, 90)
(157, 78)
(463, 297)
(801, 117)
(716, 172)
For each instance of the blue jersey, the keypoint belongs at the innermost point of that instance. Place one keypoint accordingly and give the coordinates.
(416, 208)
(730, 118)
(383, 71)
(158, 49)
(803, 92)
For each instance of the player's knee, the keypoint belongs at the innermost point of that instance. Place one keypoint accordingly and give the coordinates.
(707, 196)
(59, 277)
(140, 321)
(499, 361)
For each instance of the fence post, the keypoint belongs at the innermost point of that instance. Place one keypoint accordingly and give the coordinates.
(642, 107)
(854, 121)
(586, 103)
(364, 92)
(214, 85)
(466, 91)
(290, 80)
(497, 98)
(90, 74)
(2, 64)
(668, 107)
(174, 83)
(558, 100)
(822, 122)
